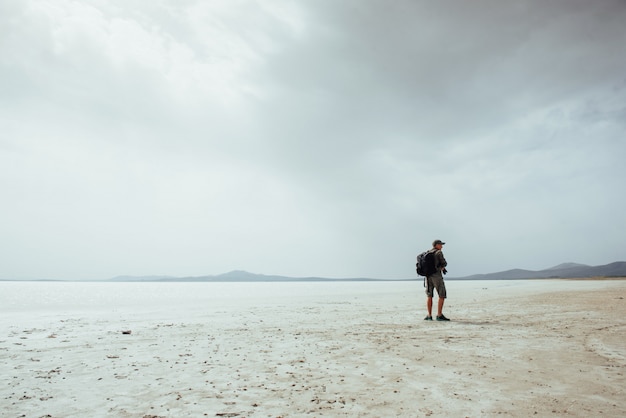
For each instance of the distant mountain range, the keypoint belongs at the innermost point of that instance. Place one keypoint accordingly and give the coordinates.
(565, 270)
(235, 276)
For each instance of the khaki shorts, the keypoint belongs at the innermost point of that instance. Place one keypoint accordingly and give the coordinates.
(435, 281)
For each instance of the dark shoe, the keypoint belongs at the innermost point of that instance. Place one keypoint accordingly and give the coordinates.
(442, 318)
(428, 318)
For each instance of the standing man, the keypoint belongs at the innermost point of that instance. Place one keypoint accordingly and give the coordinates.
(435, 281)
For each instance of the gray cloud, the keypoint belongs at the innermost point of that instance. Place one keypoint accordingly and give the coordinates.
(334, 139)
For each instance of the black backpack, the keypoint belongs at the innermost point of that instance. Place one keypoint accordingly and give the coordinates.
(426, 263)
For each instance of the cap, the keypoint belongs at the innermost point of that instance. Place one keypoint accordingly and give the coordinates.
(438, 241)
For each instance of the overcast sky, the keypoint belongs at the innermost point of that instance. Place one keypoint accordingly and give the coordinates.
(309, 138)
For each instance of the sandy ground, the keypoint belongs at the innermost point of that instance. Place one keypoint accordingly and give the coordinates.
(533, 348)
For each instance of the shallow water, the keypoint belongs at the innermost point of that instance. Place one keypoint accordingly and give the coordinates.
(32, 299)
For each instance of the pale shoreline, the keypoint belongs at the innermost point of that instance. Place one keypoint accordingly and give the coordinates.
(513, 348)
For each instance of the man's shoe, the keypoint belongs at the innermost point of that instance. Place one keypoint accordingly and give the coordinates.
(442, 318)
(428, 318)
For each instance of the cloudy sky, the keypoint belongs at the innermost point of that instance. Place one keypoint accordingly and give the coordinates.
(327, 138)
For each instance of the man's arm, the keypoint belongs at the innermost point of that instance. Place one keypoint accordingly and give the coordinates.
(441, 260)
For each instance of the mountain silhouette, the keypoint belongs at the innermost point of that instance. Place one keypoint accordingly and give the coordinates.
(565, 270)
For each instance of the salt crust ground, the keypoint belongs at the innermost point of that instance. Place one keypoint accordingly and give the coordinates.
(517, 349)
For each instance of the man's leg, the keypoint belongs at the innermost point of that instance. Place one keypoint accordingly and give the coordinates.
(439, 306)
(441, 292)
(429, 305)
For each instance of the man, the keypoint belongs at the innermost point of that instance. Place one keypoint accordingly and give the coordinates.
(435, 281)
